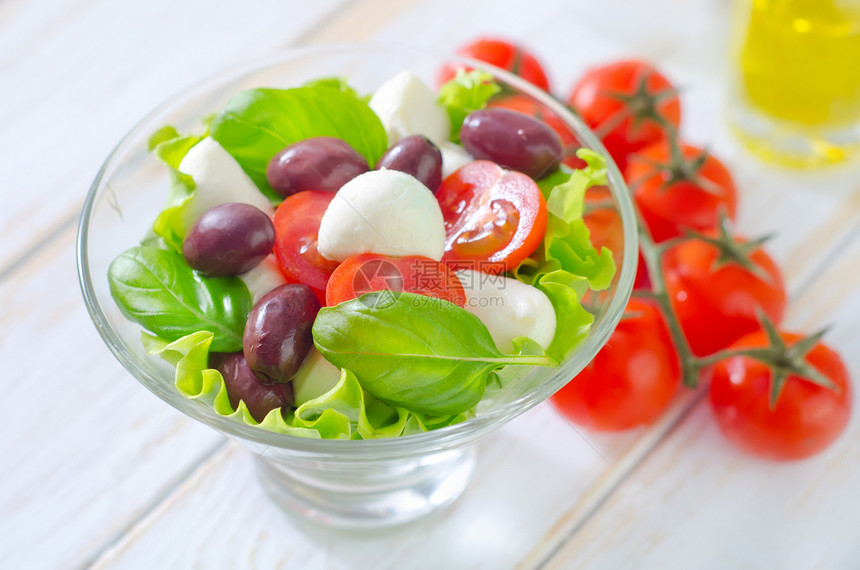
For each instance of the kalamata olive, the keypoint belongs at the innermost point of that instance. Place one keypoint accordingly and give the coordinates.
(278, 332)
(415, 155)
(317, 163)
(512, 140)
(228, 240)
(242, 384)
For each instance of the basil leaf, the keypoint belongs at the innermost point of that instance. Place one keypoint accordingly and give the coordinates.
(420, 353)
(468, 91)
(256, 124)
(158, 290)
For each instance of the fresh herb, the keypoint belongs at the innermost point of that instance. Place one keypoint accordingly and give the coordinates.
(424, 354)
(158, 290)
(258, 123)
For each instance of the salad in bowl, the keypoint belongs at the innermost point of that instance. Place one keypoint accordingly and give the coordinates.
(354, 271)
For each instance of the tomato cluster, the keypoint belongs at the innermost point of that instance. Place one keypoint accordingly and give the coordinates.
(708, 303)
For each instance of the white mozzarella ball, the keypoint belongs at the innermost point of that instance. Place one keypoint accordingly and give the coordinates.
(509, 308)
(453, 157)
(382, 211)
(316, 377)
(407, 106)
(218, 179)
(264, 277)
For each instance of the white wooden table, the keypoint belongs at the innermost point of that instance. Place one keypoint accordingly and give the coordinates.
(95, 470)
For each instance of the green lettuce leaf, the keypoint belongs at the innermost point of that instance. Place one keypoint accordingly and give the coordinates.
(567, 243)
(256, 124)
(158, 290)
(346, 411)
(466, 92)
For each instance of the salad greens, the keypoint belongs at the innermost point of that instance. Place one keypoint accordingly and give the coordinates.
(256, 124)
(468, 91)
(408, 363)
(156, 288)
(428, 355)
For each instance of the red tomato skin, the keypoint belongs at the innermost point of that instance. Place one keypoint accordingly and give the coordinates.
(670, 208)
(412, 274)
(297, 224)
(806, 419)
(593, 99)
(717, 307)
(466, 198)
(503, 54)
(632, 379)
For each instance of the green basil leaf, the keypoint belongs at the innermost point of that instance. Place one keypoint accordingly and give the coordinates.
(158, 290)
(423, 354)
(466, 92)
(256, 124)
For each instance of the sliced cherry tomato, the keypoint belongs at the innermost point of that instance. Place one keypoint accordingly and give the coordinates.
(631, 380)
(504, 55)
(691, 191)
(806, 418)
(368, 272)
(716, 298)
(494, 218)
(628, 104)
(297, 226)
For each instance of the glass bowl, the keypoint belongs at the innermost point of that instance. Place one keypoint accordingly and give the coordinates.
(341, 483)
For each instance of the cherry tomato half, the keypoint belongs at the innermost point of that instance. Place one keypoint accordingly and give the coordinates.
(504, 55)
(631, 380)
(494, 218)
(715, 303)
(628, 104)
(297, 226)
(674, 193)
(367, 272)
(806, 418)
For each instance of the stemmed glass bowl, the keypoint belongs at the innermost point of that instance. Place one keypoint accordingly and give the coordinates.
(340, 483)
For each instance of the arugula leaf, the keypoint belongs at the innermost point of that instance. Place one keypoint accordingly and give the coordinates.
(158, 290)
(256, 124)
(567, 243)
(466, 92)
(424, 354)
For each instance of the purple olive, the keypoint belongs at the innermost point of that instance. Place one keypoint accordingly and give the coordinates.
(415, 155)
(512, 140)
(278, 332)
(242, 384)
(228, 240)
(317, 163)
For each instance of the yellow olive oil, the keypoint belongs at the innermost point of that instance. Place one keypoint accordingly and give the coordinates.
(800, 60)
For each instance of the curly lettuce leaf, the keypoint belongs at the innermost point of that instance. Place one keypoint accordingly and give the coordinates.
(466, 92)
(346, 411)
(567, 243)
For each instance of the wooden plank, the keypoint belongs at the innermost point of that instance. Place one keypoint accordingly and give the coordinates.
(78, 75)
(698, 502)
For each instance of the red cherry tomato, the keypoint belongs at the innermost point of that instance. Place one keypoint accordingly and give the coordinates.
(368, 272)
(672, 196)
(494, 218)
(807, 417)
(504, 55)
(717, 304)
(297, 226)
(631, 380)
(628, 104)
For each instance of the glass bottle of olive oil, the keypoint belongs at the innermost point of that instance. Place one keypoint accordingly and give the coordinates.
(798, 73)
